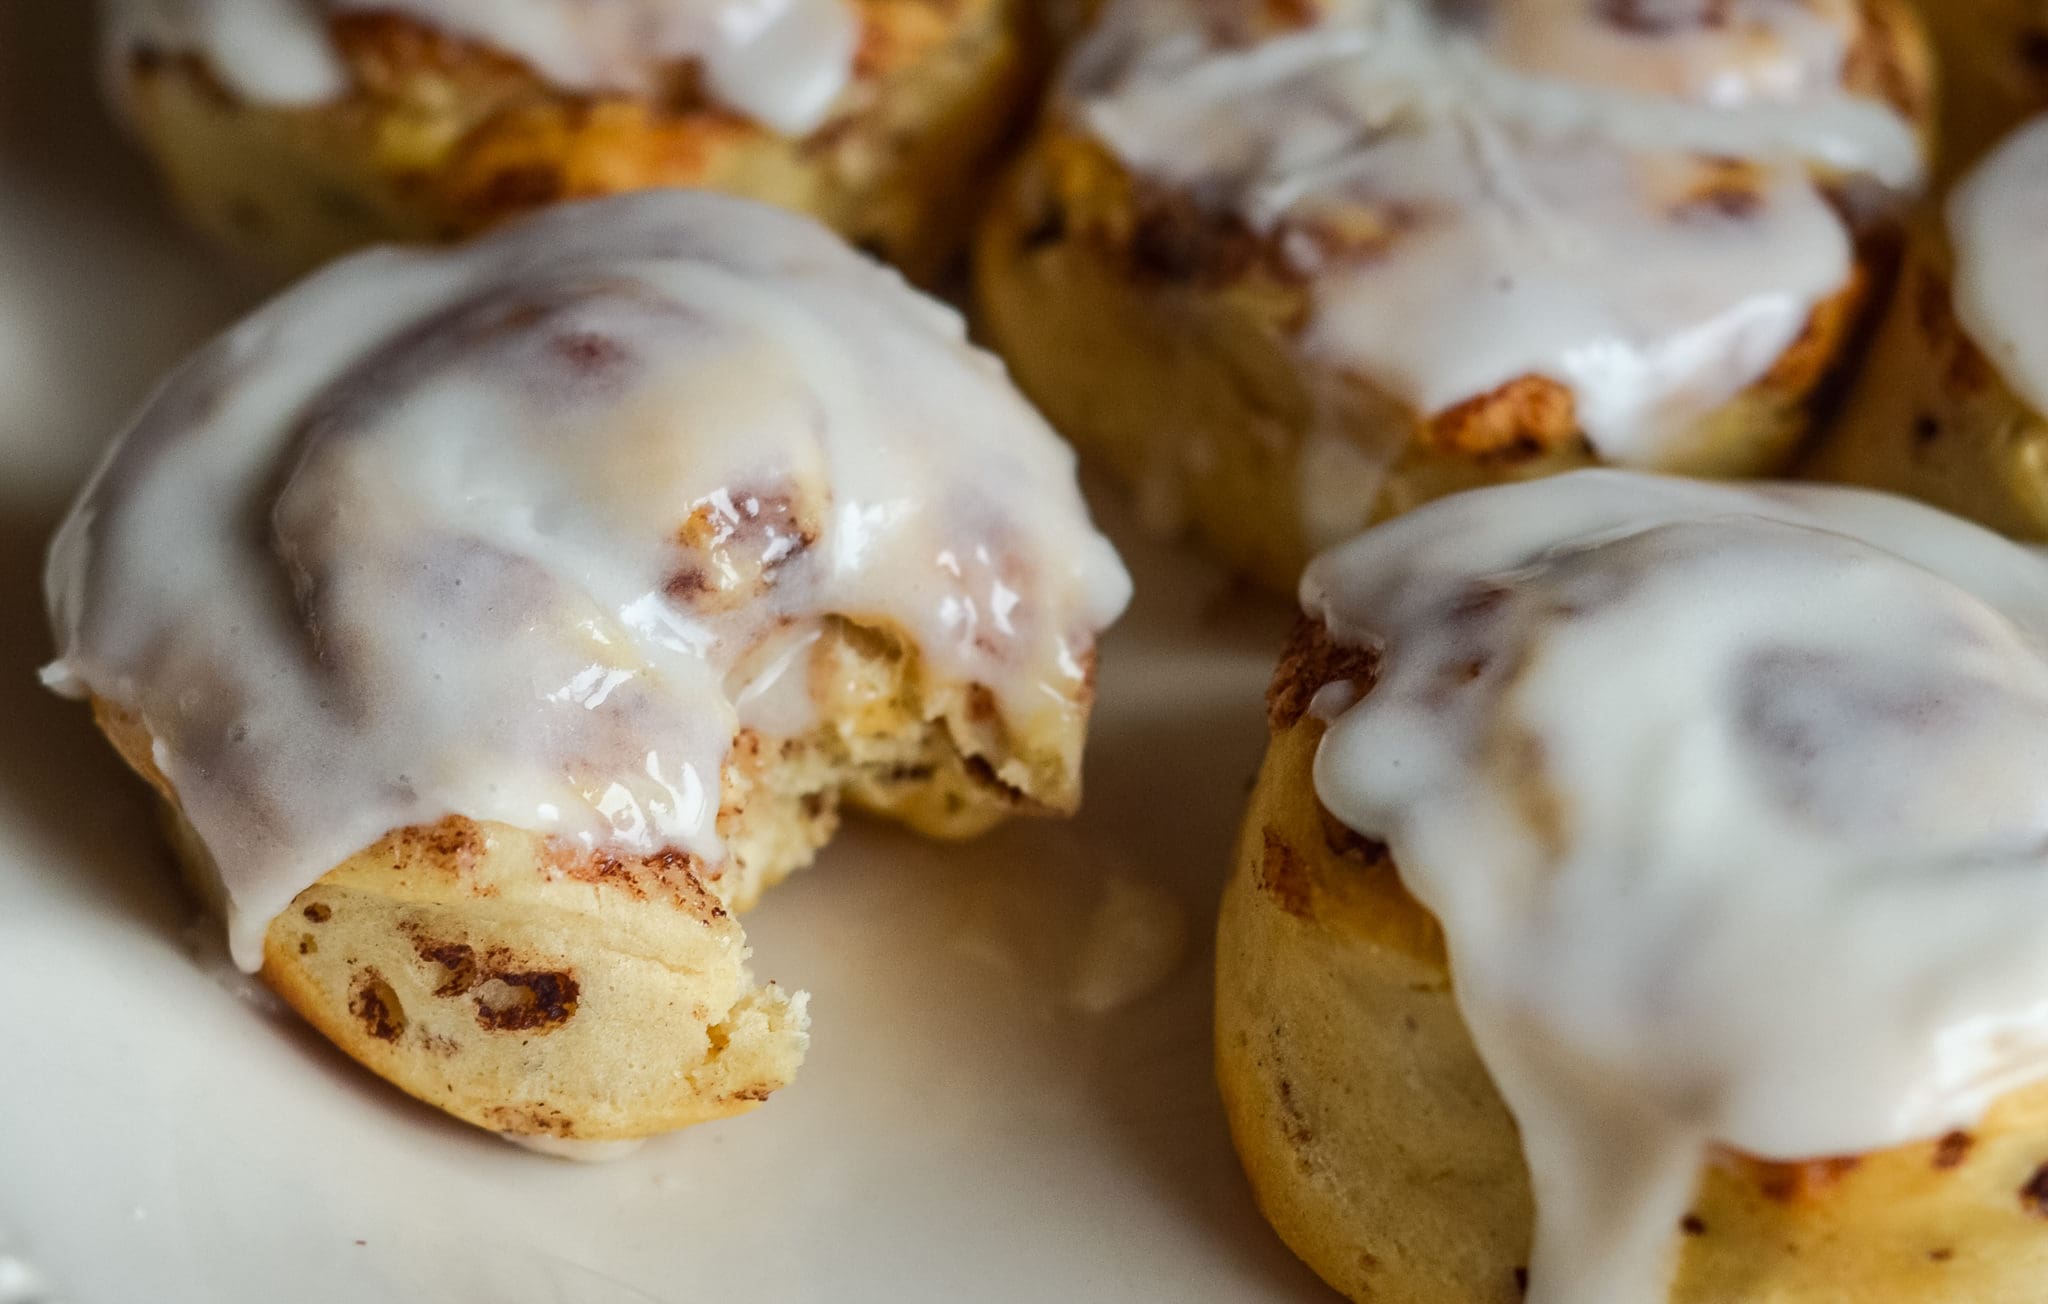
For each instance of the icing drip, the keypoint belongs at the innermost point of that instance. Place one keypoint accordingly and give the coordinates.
(525, 531)
(1731, 804)
(781, 62)
(1618, 196)
(1996, 219)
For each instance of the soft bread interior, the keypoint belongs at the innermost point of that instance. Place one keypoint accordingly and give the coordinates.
(533, 987)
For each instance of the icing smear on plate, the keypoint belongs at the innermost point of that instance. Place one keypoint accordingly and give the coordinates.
(1733, 805)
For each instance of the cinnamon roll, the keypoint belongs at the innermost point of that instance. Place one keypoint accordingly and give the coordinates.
(1291, 268)
(495, 622)
(1642, 901)
(295, 129)
(1953, 406)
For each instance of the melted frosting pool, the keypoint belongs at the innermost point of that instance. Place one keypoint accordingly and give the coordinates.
(526, 530)
(1732, 804)
(1539, 178)
(1998, 220)
(781, 62)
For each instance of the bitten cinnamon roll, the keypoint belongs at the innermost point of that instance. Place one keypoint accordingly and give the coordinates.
(1953, 406)
(295, 129)
(1643, 899)
(1291, 268)
(494, 623)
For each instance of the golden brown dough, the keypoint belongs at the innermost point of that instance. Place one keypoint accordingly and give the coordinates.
(1994, 71)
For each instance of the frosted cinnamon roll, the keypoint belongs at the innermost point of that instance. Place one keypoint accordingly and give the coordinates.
(296, 129)
(1642, 901)
(1290, 268)
(494, 623)
(1953, 406)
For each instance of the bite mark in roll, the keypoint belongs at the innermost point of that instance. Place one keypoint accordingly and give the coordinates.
(1428, 246)
(1713, 819)
(629, 539)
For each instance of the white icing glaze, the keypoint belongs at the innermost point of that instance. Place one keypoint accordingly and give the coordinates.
(781, 62)
(410, 540)
(1540, 170)
(1732, 804)
(1998, 221)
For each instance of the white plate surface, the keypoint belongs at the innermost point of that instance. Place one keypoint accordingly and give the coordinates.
(958, 1133)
